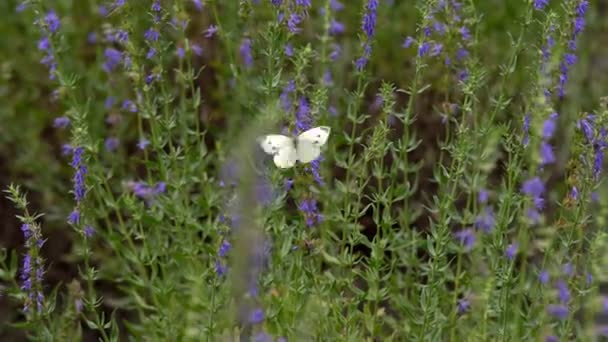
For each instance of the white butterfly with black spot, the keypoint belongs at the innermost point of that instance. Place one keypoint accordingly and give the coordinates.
(286, 151)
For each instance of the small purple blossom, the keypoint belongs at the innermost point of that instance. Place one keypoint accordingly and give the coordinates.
(526, 129)
(74, 217)
(546, 153)
(549, 126)
(151, 35)
(533, 187)
(543, 277)
(309, 208)
(467, 238)
(563, 292)
(61, 122)
(486, 220)
(482, 196)
(211, 31)
(256, 316)
(143, 143)
(423, 49)
(511, 251)
(540, 4)
(224, 248)
(89, 231)
(463, 305)
(52, 21)
(245, 51)
(558, 311)
(198, 5)
(151, 53)
(408, 42)
(197, 49)
(111, 144)
(293, 22)
(336, 28)
(113, 57)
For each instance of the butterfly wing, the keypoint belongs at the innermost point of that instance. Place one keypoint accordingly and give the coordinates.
(310, 142)
(281, 147)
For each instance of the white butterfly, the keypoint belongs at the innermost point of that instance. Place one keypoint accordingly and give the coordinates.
(307, 146)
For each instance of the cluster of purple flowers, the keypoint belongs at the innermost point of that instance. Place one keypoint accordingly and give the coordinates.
(369, 27)
(596, 139)
(308, 207)
(220, 266)
(569, 58)
(484, 221)
(436, 30)
(245, 51)
(50, 25)
(148, 192)
(32, 270)
(79, 183)
(546, 150)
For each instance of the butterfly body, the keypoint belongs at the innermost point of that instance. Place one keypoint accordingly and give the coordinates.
(286, 151)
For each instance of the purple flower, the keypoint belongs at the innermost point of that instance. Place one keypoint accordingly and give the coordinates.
(309, 208)
(61, 122)
(79, 183)
(551, 338)
(369, 19)
(21, 7)
(151, 35)
(245, 51)
(122, 36)
(336, 5)
(546, 153)
(151, 53)
(335, 52)
(220, 268)
(129, 105)
(486, 220)
(74, 217)
(467, 238)
(511, 251)
(303, 3)
(540, 4)
(224, 248)
(533, 187)
(111, 144)
(461, 54)
(293, 22)
(526, 129)
(549, 126)
(288, 184)
(92, 37)
(89, 231)
(156, 6)
(303, 119)
(256, 316)
(197, 4)
(210, 31)
(586, 125)
(466, 34)
(180, 52)
(113, 58)
(197, 49)
(558, 311)
(436, 49)
(143, 142)
(463, 305)
(407, 43)
(483, 196)
(262, 337)
(289, 50)
(423, 49)
(543, 277)
(336, 27)
(52, 21)
(563, 292)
